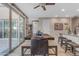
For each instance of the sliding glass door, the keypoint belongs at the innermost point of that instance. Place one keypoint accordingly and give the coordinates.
(15, 38)
(4, 30)
(11, 29)
(21, 28)
(17, 29)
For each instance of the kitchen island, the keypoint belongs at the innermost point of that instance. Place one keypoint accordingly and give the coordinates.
(74, 38)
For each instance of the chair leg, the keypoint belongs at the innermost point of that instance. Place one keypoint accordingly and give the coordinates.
(56, 51)
(58, 40)
(65, 48)
(22, 51)
(61, 42)
(74, 51)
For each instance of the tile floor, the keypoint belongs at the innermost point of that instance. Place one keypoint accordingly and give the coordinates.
(61, 51)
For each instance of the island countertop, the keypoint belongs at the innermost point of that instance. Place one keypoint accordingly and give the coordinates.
(74, 38)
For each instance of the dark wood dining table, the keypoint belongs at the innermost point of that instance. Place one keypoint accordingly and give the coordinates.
(39, 45)
(44, 36)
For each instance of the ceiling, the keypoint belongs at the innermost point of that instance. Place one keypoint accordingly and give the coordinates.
(59, 9)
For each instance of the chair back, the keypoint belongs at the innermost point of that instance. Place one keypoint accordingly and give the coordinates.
(39, 47)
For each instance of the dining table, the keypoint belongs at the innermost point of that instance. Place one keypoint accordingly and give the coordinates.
(44, 36)
(40, 46)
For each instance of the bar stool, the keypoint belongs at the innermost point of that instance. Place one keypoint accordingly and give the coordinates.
(73, 47)
(59, 39)
(63, 41)
(68, 46)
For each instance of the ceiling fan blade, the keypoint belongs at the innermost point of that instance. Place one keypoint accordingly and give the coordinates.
(50, 3)
(43, 8)
(36, 7)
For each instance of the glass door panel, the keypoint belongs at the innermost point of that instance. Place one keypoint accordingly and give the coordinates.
(4, 30)
(21, 29)
(15, 39)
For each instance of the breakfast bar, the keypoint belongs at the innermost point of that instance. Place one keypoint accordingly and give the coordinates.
(71, 43)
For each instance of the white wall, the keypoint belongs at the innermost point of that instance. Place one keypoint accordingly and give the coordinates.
(47, 25)
(75, 23)
(58, 20)
(44, 26)
(35, 27)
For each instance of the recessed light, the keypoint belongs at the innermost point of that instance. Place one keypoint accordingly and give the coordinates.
(77, 9)
(62, 10)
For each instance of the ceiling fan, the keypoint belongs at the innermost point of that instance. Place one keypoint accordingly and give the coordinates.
(43, 5)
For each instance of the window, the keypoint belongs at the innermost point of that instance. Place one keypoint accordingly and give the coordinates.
(4, 30)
